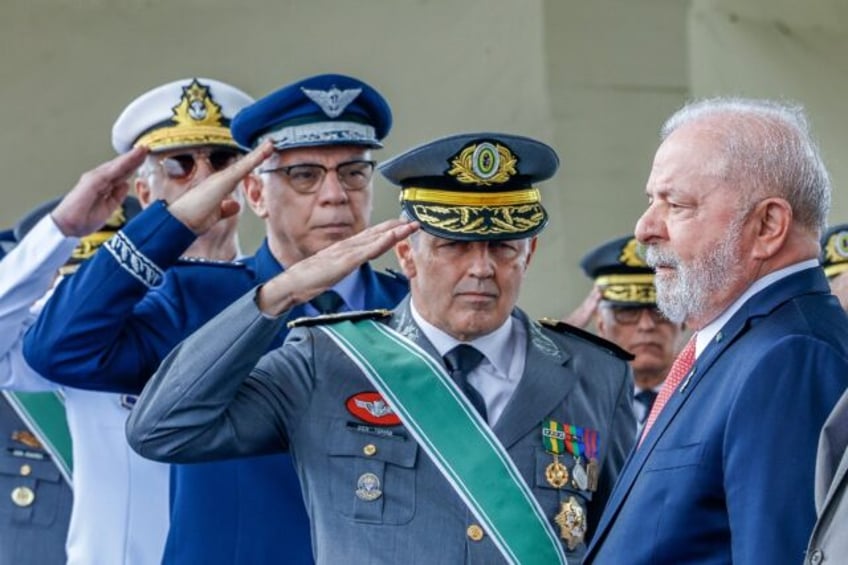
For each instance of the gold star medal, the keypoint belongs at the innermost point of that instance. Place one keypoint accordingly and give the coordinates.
(572, 523)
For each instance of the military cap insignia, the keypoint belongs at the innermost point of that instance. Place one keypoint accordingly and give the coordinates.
(836, 253)
(483, 163)
(197, 107)
(563, 328)
(308, 321)
(633, 254)
(334, 101)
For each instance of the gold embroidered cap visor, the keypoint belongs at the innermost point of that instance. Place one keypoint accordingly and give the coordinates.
(621, 272)
(475, 186)
(628, 290)
(458, 215)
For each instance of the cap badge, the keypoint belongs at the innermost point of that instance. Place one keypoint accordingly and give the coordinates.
(196, 107)
(836, 250)
(633, 254)
(334, 101)
(484, 163)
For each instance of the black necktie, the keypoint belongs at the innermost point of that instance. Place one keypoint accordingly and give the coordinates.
(328, 302)
(460, 361)
(646, 398)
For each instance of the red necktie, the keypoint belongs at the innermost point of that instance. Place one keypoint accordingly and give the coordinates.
(681, 367)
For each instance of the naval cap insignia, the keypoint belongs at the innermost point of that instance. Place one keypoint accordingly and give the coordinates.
(334, 101)
(196, 106)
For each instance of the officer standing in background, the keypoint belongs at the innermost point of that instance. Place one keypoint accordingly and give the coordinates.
(511, 457)
(627, 315)
(314, 188)
(829, 540)
(36, 463)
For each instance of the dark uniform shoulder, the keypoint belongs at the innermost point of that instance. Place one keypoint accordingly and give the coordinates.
(323, 319)
(563, 328)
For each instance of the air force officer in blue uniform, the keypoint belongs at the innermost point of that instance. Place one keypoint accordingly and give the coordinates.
(737, 199)
(110, 326)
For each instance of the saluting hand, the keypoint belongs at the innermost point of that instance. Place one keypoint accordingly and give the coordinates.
(310, 277)
(204, 205)
(97, 194)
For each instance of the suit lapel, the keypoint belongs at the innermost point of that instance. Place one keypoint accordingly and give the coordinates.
(543, 385)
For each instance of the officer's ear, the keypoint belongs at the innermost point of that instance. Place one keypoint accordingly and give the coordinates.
(254, 192)
(405, 255)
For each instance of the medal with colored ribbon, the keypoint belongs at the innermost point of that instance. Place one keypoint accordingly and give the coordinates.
(582, 443)
(553, 439)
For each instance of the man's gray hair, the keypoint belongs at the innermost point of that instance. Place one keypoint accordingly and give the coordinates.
(768, 151)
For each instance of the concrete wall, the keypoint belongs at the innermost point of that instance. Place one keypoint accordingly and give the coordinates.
(595, 79)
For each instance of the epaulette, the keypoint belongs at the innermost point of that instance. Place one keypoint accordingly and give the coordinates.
(210, 262)
(562, 327)
(307, 321)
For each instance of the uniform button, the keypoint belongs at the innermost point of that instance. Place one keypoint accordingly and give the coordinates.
(23, 496)
(474, 532)
(369, 449)
(25, 470)
(817, 557)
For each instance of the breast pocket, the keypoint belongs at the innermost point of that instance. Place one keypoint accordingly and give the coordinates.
(31, 491)
(373, 476)
(675, 457)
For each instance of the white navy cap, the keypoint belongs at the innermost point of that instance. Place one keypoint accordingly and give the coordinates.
(184, 113)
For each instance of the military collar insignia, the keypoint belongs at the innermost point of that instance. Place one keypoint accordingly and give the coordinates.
(484, 164)
(308, 321)
(334, 101)
(197, 107)
(370, 407)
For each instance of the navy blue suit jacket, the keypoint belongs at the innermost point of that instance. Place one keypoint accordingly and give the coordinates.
(106, 329)
(726, 474)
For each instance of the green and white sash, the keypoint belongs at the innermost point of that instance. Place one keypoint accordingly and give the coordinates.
(44, 415)
(454, 436)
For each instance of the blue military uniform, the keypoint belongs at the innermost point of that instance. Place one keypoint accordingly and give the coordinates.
(109, 327)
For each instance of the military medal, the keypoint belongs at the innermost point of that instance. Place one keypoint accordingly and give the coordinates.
(572, 522)
(553, 438)
(579, 476)
(592, 442)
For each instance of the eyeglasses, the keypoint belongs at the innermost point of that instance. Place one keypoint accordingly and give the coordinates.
(306, 178)
(630, 316)
(183, 166)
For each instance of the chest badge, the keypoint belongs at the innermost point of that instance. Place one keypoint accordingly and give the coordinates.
(370, 407)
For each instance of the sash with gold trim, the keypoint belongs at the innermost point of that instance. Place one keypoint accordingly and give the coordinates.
(437, 413)
(44, 415)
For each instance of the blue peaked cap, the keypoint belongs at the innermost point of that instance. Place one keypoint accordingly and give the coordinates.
(321, 110)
